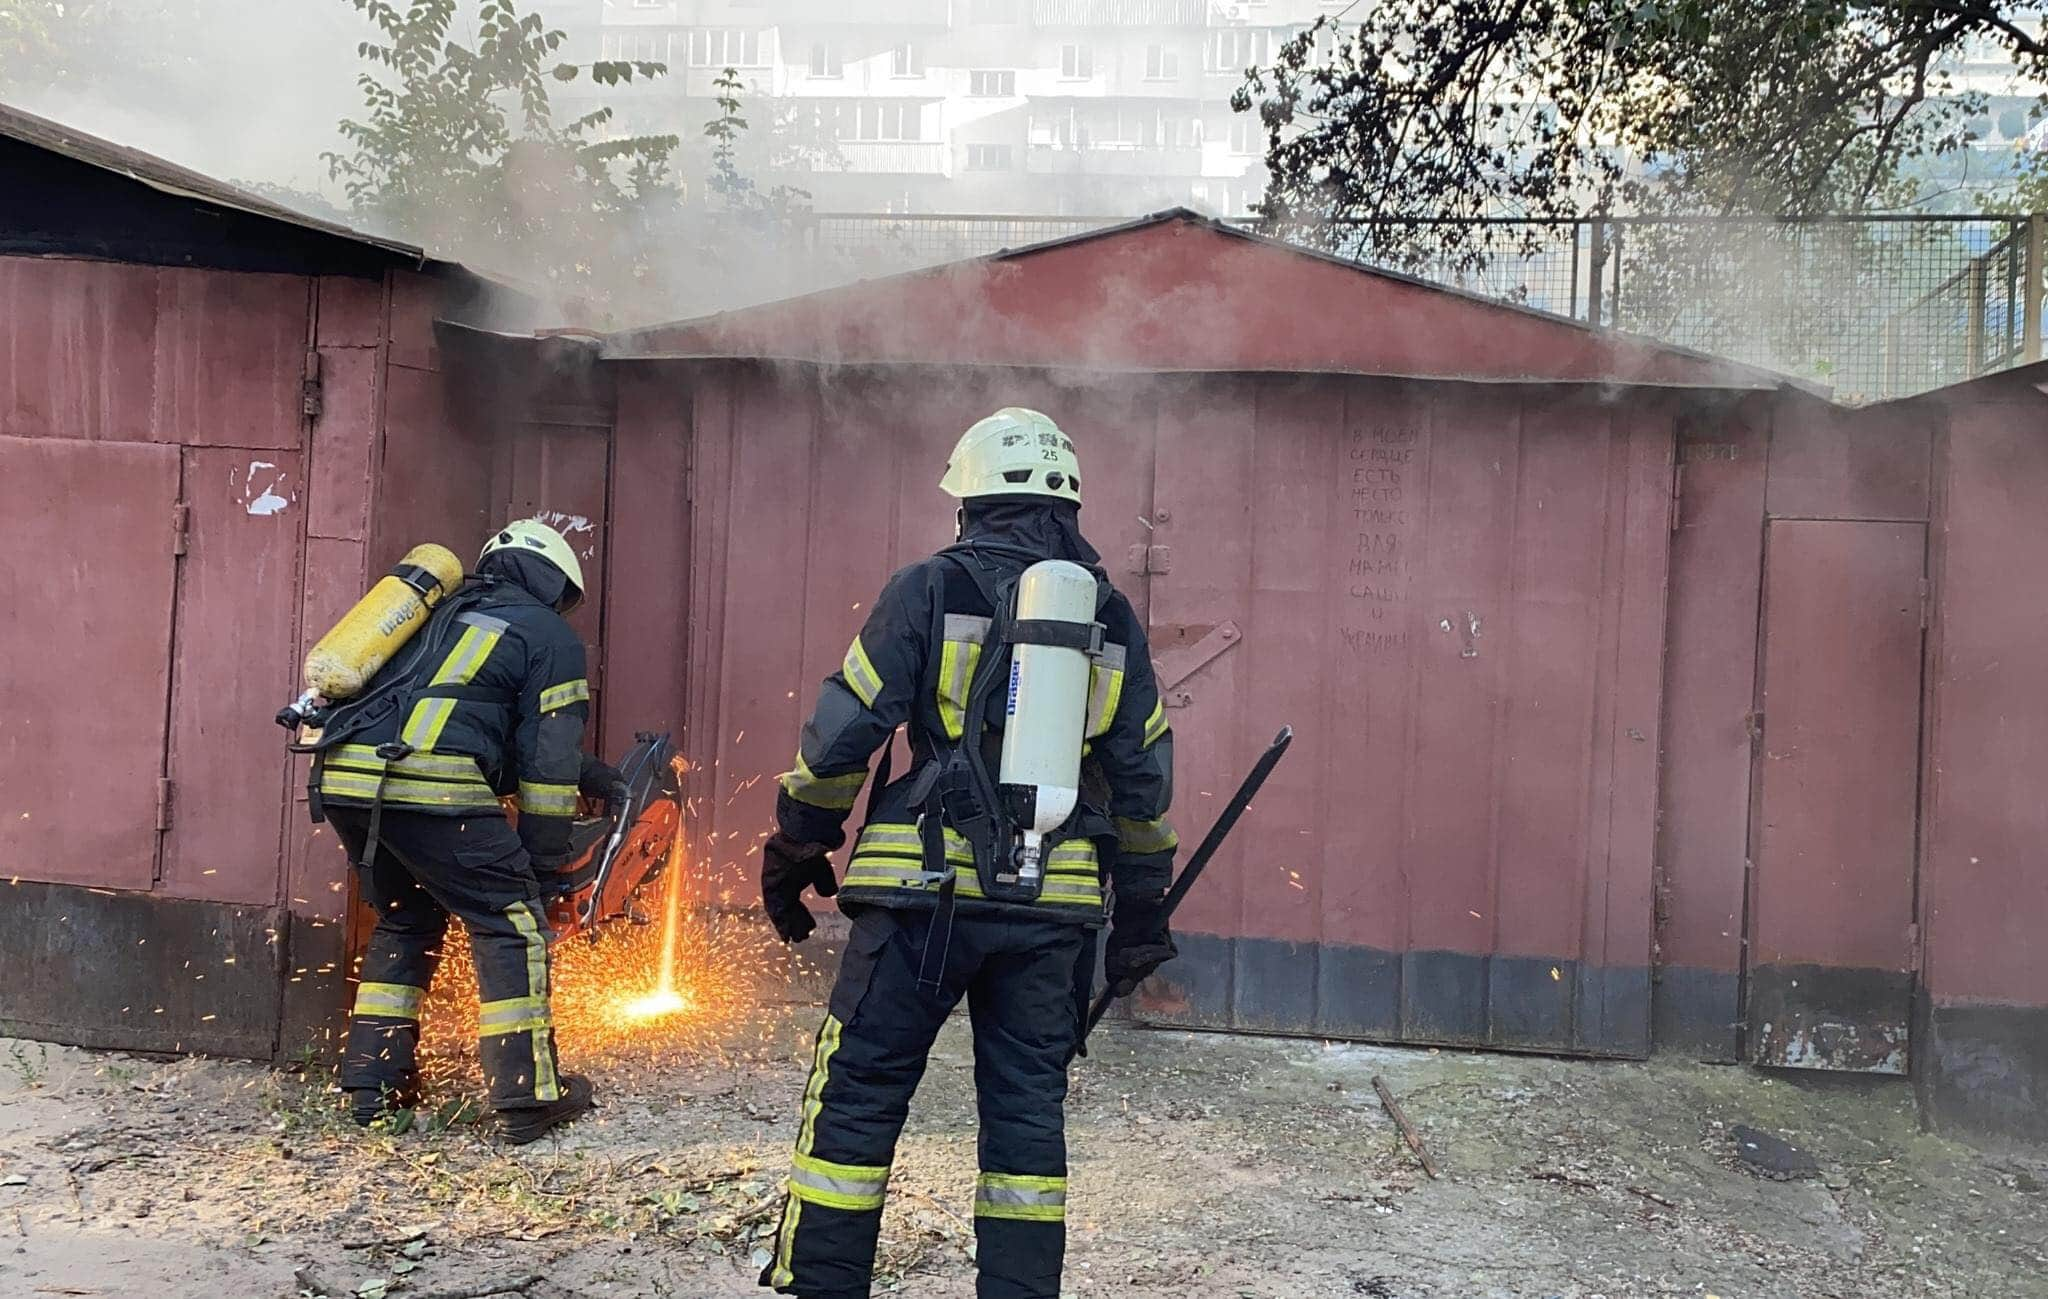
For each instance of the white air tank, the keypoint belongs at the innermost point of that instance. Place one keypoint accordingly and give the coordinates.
(1048, 705)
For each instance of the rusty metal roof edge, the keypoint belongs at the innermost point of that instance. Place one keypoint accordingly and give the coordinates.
(1762, 377)
(2035, 370)
(182, 182)
(1419, 376)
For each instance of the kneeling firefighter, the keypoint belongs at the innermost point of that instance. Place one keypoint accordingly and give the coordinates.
(1040, 756)
(488, 700)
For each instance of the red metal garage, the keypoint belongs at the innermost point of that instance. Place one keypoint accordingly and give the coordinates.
(1641, 697)
(1428, 530)
(217, 418)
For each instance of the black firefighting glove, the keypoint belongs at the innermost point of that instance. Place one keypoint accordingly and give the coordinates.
(601, 780)
(787, 868)
(1139, 943)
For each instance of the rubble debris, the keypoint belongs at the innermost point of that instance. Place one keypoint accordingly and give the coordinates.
(1772, 1156)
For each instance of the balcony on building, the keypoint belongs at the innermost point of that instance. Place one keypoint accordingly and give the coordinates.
(1111, 158)
(897, 157)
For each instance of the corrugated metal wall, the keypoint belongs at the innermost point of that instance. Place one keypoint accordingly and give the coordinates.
(1455, 594)
(1984, 870)
(1438, 585)
(199, 527)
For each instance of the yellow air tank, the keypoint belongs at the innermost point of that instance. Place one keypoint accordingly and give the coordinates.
(381, 623)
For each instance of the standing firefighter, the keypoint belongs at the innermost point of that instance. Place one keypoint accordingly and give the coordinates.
(1040, 755)
(493, 702)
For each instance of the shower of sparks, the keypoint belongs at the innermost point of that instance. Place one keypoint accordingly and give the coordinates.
(688, 986)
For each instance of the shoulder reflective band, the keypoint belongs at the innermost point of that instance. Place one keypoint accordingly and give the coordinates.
(429, 718)
(1155, 725)
(1032, 1199)
(547, 800)
(471, 649)
(851, 1187)
(1145, 836)
(1105, 689)
(833, 793)
(390, 1000)
(561, 696)
(959, 656)
(861, 677)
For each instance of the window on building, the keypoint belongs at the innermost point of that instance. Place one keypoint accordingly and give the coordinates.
(649, 4)
(825, 61)
(906, 60)
(1168, 131)
(728, 47)
(995, 11)
(651, 47)
(992, 85)
(988, 157)
(1234, 49)
(1077, 62)
(880, 119)
(1161, 63)
(1245, 136)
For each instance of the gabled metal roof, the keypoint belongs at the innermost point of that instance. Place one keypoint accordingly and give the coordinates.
(182, 182)
(1329, 327)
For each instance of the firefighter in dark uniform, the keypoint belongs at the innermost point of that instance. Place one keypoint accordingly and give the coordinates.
(925, 932)
(494, 704)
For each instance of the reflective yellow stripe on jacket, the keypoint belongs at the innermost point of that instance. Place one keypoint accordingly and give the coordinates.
(890, 858)
(354, 772)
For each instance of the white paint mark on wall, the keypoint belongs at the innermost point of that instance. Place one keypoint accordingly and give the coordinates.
(267, 501)
(569, 525)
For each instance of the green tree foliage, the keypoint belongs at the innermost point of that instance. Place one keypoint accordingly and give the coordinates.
(459, 149)
(1425, 109)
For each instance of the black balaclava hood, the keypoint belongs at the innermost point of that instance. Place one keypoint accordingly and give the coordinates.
(536, 576)
(1045, 526)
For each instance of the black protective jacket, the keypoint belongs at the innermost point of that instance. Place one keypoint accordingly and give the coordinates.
(911, 666)
(493, 701)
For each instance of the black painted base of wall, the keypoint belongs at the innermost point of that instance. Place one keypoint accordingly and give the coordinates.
(130, 971)
(1696, 1014)
(1433, 998)
(1982, 1071)
(1847, 1018)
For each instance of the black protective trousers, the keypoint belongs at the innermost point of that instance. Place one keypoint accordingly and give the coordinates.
(428, 868)
(1018, 978)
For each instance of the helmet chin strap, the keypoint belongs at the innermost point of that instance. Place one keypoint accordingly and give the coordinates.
(959, 522)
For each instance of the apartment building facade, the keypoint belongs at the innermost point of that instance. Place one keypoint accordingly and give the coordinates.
(1057, 107)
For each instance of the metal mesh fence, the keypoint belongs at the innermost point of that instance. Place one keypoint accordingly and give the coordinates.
(1874, 307)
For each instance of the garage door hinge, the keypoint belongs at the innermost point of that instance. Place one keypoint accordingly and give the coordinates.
(309, 386)
(163, 803)
(1150, 559)
(1926, 603)
(181, 526)
(1913, 946)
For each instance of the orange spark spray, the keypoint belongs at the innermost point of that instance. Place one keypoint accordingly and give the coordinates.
(667, 999)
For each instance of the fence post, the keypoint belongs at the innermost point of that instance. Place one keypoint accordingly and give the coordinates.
(2031, 284)
(1974, 290)
(1596, 260)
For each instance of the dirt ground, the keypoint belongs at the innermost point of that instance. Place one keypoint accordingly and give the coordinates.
(1203, 1164)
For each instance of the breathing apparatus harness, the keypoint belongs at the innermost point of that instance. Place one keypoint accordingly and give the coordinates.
(394, 694)
(958, 787)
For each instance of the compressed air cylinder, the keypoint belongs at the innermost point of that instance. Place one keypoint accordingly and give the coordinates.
(381, 622)
(1048, 702)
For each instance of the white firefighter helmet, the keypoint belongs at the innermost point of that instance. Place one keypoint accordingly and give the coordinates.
(1014, 452)
(537, 538)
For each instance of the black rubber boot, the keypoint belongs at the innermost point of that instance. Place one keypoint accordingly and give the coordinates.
(368, 1104)
(521, 1126)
